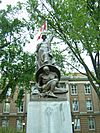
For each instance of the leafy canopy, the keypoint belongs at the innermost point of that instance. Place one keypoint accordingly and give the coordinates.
(77, 24)
(16, 66)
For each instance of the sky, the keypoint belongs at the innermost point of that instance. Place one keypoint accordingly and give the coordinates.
(7, 2)
(31, 47)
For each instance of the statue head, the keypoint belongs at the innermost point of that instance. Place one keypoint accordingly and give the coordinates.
(46, 69)
(44, 35)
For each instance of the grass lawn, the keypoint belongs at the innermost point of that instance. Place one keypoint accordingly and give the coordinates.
(9, 130)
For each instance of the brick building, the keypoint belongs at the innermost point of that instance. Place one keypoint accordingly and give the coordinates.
(11, 115)
(84, 104)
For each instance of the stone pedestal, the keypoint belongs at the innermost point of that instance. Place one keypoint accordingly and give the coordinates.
(49, 117)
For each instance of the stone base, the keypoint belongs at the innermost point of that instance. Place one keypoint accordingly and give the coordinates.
(49, 117)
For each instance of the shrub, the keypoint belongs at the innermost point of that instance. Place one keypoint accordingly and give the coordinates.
(9, 130)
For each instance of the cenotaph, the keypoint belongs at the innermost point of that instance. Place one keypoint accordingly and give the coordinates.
(48, 110)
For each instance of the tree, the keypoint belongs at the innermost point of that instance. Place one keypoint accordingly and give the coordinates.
(16, 66)
(77, 23)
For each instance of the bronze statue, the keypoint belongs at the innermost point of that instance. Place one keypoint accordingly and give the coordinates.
(47, 82)
(47, 75)
(43, 52)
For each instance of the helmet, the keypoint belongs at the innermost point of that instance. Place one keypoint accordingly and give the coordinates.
(45, 68)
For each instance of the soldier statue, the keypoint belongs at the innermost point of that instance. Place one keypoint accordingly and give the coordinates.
(43, 52)
(47, 75)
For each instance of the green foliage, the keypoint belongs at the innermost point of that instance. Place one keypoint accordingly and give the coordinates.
(20, 97)
(77, 24)
(9, 130)
(59, 59)
(16, 66)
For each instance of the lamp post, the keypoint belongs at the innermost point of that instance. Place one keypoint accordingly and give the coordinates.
(23, 126)
(73, 126)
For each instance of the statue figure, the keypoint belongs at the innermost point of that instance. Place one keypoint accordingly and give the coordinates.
(47, 75)
(43, 52)
(47, 82)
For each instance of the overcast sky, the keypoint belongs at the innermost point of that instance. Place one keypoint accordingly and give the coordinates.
(32, 46)
(7, 2)
(29, 47)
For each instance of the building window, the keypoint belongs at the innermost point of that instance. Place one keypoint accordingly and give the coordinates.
(6, 107)
(89, 105)
(5, 122)
(87, 89)
(76, 124)
(73, 89)
(91, 124)
(19, 124)
(20, 108)
(75, 106)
